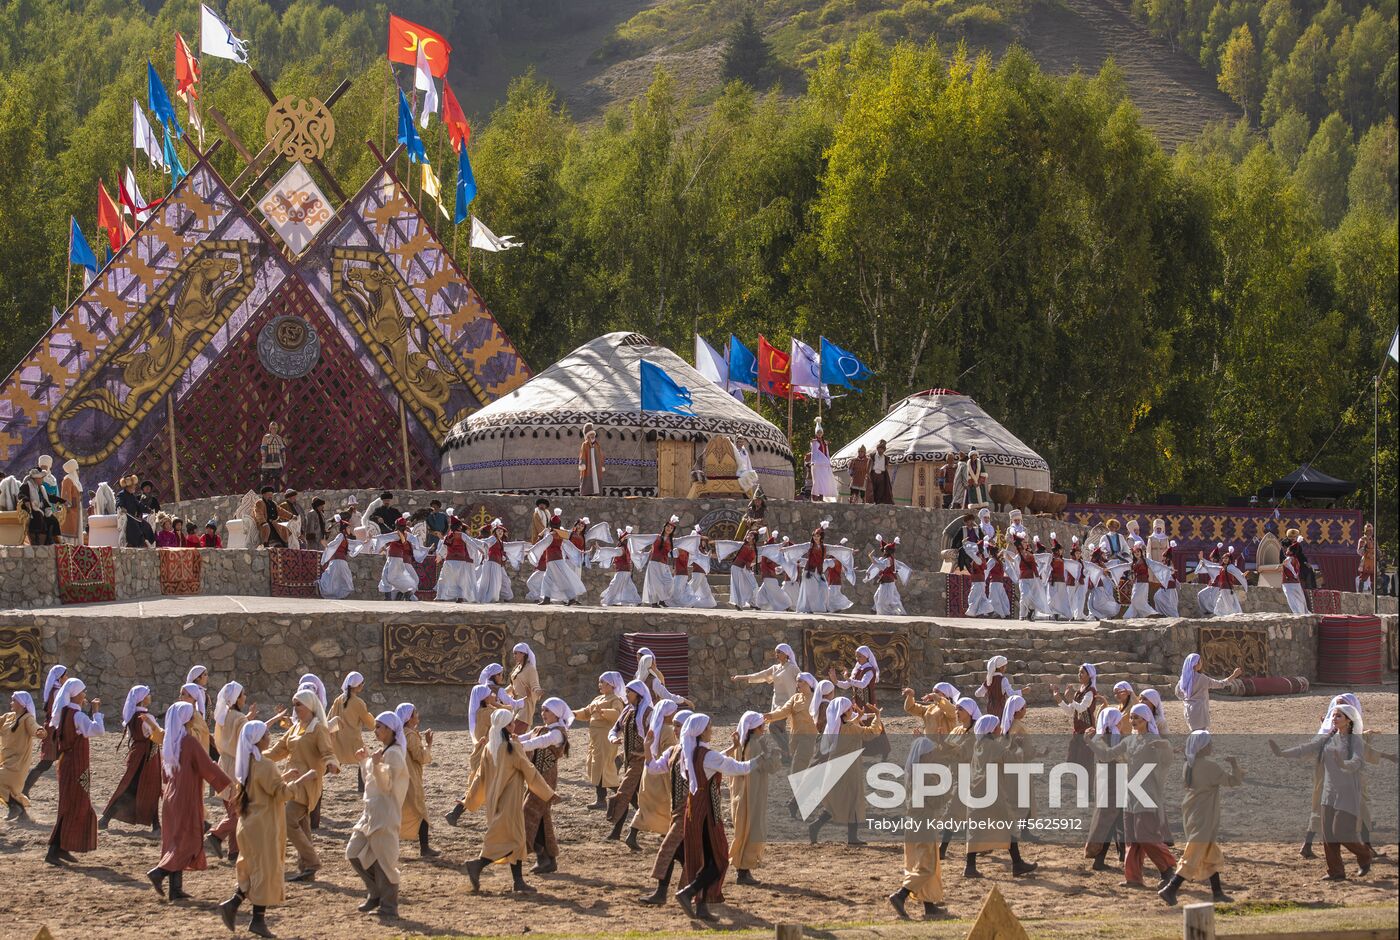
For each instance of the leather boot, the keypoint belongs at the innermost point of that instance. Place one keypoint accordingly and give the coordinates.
(1099, 863)
(970, 866)
(15, 808)
(388, 894)
(545, 865)
(746, 877)
(423, 850)
(685, 898)
(474, 868)
(702, 911)
(1307, 850)
(931, 910)
(851, 837)
(657, 897)
(177, 886)
(600, 798)
(1217, 892)
(455, 814)
(517, 878)
(371, 900)
(897, 902)
(1168, 891)
(156, 876)
(632, 839)
(815, 829)
(52, 857)
(259, 922)
(228, 910)
(617, 828)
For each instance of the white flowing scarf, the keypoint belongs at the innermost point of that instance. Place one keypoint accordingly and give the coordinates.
(695, 726)
(176, 717)
(228, 697)
(248, 750)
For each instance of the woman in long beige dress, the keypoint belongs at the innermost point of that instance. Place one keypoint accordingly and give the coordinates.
(654, 792)
(263, 797)
(601, 714)
(748, 795)
(802, 724)
(524, 685)
(1201, 858)
(937, 710)
(19, 729)
(418, 753)
(231, 713)
(349, 720)
(373, 849)
(923, 869)
(988, 825)
(846, 730)
(481, 705)
(499, 789)
(195, 694)
(305, 746)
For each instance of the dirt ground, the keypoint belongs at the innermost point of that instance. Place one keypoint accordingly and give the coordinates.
(833, 890)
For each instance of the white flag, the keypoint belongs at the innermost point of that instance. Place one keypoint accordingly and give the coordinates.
(487, 240)
(1395, 346)
(144, 138)
(806, 374)
(423, 81)
(217, 40)
(710, 364)
(134, 192)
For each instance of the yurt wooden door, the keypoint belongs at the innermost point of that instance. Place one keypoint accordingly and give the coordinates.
(673, 462)
(926, 492)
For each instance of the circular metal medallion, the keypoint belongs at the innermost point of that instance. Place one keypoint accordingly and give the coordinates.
(288, 347)
(300, 128)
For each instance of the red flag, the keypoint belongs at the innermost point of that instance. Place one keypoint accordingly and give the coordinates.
(458, 130)
(109, 216)
(774, 370)
(186, 70)
(405, 38)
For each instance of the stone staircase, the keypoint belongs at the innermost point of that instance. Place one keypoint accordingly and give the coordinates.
(1044, 654)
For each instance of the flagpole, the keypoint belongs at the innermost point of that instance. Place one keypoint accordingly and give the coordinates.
(68, 282)
(1376, 488)
(388, 101)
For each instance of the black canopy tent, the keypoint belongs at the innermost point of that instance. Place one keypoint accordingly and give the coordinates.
(1307, 482)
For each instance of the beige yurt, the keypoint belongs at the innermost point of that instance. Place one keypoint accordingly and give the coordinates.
(919, 433)
(528, 440)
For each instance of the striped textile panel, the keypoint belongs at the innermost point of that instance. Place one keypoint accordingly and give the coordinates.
(672, 652)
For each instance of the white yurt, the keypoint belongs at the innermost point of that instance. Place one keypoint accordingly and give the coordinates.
(528, 441)
(919, 433)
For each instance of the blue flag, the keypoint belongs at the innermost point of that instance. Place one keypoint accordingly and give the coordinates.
(172, 160)
(466, 186)
(159, 101)
(79, 251)
(840, 367)
(408, 133)
(743, 365)
(661, 393)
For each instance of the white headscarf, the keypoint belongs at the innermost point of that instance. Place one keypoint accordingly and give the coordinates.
(1346, 698)
(499, 720)
(1093, 674)
(1154, 698)
(51, 680)
(352, 678)
(834, 713)
(660, 714)
(917, 750)
(480, 693)
(560, 708)
(993, 664)
(489, 671)
(195, 691)
(405, 711)
(1008, 713)
(248, 738)
(315, 682)
(308, 698)
(1354, 714)
(64, 699)
(695, 726)
(947, 690)
(228, 697)
(132, 705)
(1194, 742)
(646, 662)
(640, 687)
(823, 689)
(616, 682)
(869, 663)
(748, 721)
(176, 717)
(1145, 713)
(1123, 686)
(970, 706)
(1188, 674)
(26, 701)
(1108, 724)
(787, 651)
(529, 653)
(808, 678)
(394, 722)
(195, 672)
(985, 725)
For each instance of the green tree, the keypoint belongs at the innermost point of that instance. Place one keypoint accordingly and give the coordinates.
(1289, 136)
(747, 55)
(1239, 70)
(1373, 182)
(1324, 167)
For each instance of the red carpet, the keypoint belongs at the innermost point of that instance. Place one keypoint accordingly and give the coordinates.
(181, 570)
(85, 575)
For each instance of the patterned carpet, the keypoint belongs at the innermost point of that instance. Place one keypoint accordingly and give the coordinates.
(294, 572)
(85, 575)
(672, 657)
(181, 570)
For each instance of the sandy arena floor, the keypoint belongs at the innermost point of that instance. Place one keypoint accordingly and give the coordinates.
(831, 887)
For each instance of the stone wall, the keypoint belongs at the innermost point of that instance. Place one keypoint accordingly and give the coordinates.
(268, 652)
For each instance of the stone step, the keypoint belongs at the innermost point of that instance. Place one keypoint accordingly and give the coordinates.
(1039, 683)
(1053, 659)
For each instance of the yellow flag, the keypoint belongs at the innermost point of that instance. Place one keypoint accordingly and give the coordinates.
(433, 188)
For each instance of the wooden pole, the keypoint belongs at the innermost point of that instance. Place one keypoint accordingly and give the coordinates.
(174, 458)
(787, 932)
(1199, 922)
(388, 103)
(403, 434)
(68, 281)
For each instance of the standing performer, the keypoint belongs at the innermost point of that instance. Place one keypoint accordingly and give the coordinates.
(782, 676)
(1292, 580)
(231, 713)
(601, 714)
(456, 571)
(1144, 825)
(860, 686)
(937, 711)
(305, 746)
(418, 753)
(976, 494)
(263, 799)
(1082, 704)
(748, 795)
(499, 789)
(989, 824)
(187, 769)
(1103, 603)
(349, 718)
(1138, 605)
(656, 585)
(923, 869)
(881, 478)
(1164, 602)
(137, 797)
(1106, 823)
(196, 695)
(1027, 581)
(1078, 580)
(822, 480)
(590, 464)
(653, 801)
(18, 729)
(771, 595)
(811, 590)
(973, 555)
(629, 732)
(1366, 551)
(1194, 688)
(797, 711)
(1153, 700)
(889, 573)
(336, 581)
(48, 748)
(858, 470)
(1201, 859)
(621, 590)
(705, 847)
(1057, 585)
(398, 580)
(75, 826)
(482, 704)
(493, 584)
(743, 589)
(839, 564)
(698, 591)
(373, 849)
(997, 688)
(845, 731)
(524, 686)
(546, 745)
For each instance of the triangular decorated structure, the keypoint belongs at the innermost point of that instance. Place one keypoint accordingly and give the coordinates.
(205, 328)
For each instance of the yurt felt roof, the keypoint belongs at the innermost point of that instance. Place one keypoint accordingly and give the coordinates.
(600, 382)
(929, 425)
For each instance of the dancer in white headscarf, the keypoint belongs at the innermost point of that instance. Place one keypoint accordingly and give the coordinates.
(499, 791)
(136, 800)
(923, 869)
(601, 714)
(306, 746)
(19, 728)
(188, 768)
(1194, 688)
(75, 826)
(629, 732)
(373, 849)
(846, 730)
(48, 748)
(1201, 858)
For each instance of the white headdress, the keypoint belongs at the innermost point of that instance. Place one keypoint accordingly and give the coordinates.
(176, 716)
(985, 725)
(561, 709)
(308, 698)
(660, 714)
(394, 722)
(695, 726)
(823, 688)
(500, 720)
(195, 672)
(51, 680)
(352, 678)
(525, 648)
(26, 701)
(834, 713)
(1188, 674)
(228, 697)
(993, 664)
(64, 699)
(315, 682)
(1014, 704)
(195, 691)
(248, 751)
(134, 697)
(615, 681)
(1145, 713)
(480, 693)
